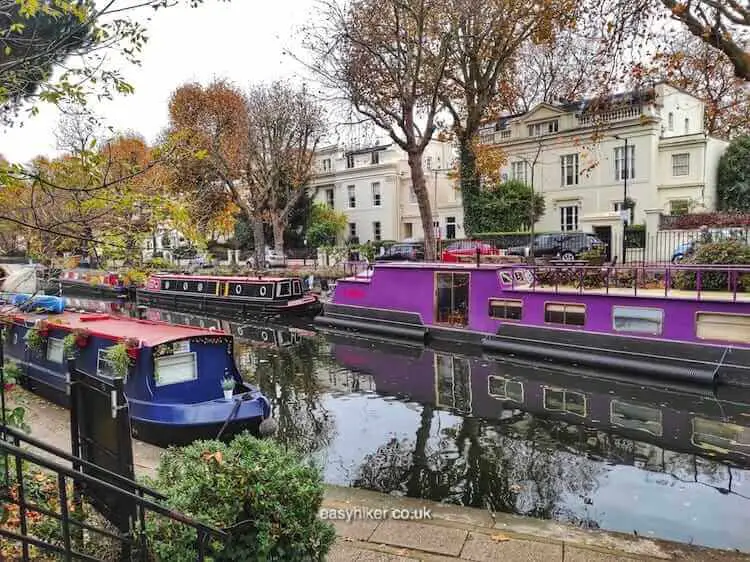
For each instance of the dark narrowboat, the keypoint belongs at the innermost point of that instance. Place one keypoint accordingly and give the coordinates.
(232, 295)
(182, 383)
(88, 282)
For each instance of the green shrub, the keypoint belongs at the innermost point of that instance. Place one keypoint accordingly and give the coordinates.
(730, 252)
(258, 485)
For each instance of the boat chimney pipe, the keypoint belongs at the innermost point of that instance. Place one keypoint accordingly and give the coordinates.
(478, 255)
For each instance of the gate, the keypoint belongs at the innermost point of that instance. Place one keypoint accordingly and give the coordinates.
(100, 435)
(604, 233)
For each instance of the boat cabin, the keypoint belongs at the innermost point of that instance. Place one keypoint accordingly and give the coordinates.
(240, 288)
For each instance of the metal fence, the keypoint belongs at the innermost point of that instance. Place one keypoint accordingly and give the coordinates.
(664, 246)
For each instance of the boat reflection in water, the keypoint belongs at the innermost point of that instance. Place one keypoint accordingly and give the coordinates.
(535, 440)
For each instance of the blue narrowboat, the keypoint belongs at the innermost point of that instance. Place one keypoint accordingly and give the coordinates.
(182, 382)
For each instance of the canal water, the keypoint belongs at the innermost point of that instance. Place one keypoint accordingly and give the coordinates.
(534, 439)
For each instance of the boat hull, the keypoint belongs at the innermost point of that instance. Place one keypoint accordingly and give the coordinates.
(646, 357)
(228, 306)
(184, 424)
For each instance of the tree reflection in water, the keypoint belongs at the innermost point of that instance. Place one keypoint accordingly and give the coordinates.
(287, 376)
(515, 468)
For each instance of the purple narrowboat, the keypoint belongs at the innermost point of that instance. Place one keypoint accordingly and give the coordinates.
(689, 323)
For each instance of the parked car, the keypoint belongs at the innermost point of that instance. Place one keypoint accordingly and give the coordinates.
(452, 253)
(567, 246)
(403, 251)
(683, 250)
(272, 258)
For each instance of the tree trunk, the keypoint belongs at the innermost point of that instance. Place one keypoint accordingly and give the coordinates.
(469, 184)
(423, 200)
(278, 233)
(259, 243)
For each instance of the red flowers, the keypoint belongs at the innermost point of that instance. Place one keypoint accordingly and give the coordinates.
(132, 347)
(81, 337)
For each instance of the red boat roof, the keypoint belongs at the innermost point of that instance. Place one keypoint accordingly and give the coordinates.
(223, 278)
(148, 332)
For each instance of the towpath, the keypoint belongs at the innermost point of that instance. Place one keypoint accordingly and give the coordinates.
(376, 530)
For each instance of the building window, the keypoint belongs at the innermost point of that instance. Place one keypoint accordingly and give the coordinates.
(350, 160)
(408, 230)
(681, 164)
(375, 157)
(376, 193)
(450, 227)
(569, 218)
(619, 207)
(620, 162)
(637, 320)
(687, 125)
(670, 121)
(329, 198)
(412, 195)
(327, 165)
(352, 195)
(352, 229)
(376, 231)
(569, 169)
(506, 309)
(679, 207)
(723, 327)
(546, 128)
(566, 314)
(428, 162)
(518, 171)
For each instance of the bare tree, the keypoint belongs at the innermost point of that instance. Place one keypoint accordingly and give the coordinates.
(486, 36)
(285, 126)
(387, 59)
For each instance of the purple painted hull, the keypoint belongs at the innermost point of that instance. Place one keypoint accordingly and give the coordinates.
(402, 297)
(473, 386)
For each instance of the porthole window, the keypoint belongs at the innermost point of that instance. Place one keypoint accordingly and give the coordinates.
(263, 291)
(238, 289)
(200, 286)
(185, 286)
(166, 284)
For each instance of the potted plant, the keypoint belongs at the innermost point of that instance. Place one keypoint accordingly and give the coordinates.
(35, 339)
(227, 385)
(70, 349)
(132, 347)
(120, 359)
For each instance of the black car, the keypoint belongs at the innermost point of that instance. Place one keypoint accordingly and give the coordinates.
(404, 251)
(565, 245)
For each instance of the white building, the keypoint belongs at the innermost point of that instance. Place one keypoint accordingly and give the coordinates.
(578, 157)
(372, 187)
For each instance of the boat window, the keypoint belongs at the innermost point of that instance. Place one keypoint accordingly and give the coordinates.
(453, 382)
(506, 309)
(284, 289)
(55, 350)
(505, 278)
(104, 367)
(505, 389)
(715, 435)
(173, 369)
(297, 286)
(723, 327)
(637, 320)
(561, 400)
(635, 416)
(452, 298)
(565, 313)
(15, 338)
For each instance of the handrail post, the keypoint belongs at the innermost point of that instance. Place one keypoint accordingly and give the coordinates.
(64, 515)
(22, 506)
(698, 281)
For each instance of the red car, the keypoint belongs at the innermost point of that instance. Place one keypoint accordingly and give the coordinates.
(465, 248)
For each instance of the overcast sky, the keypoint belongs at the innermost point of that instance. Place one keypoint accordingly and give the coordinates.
(242, 40)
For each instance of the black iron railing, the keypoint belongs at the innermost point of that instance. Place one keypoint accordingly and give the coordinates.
(133, 544)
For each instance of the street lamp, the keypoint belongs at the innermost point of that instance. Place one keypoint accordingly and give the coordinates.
(624, 210)
(436, 231)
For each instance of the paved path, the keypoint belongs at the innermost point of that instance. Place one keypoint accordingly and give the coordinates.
(451, 533)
